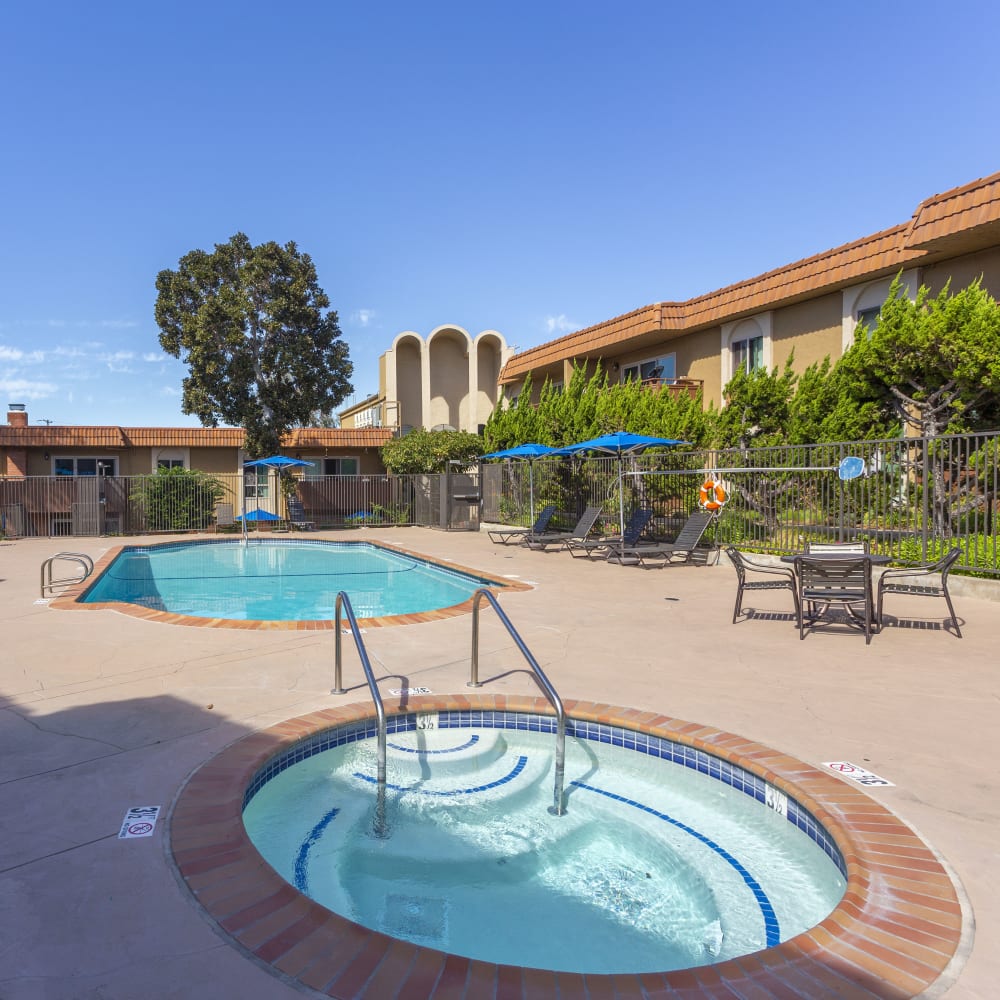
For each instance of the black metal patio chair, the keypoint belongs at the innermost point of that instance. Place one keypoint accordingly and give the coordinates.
(846, 581)
(774, 578)
(837, 548)
(919, 581)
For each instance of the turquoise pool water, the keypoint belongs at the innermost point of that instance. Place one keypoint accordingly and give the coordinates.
(279, 580)
(655, 865)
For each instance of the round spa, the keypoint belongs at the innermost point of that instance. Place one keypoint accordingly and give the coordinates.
(686, 858)
(664, 858)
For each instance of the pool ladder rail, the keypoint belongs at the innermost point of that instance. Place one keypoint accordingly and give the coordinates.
(343, 603)
(80, 558)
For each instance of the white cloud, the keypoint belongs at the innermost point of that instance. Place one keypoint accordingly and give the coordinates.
(10, 354)
(560, 324)
(151, 357)
(362, 316)
(25, 389)
(169, 390)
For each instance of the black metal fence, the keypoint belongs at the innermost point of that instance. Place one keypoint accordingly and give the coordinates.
(915, 499)
(56, 506)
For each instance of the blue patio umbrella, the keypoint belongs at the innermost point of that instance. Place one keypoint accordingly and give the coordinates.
(258, 515)
(529, 452)
(272, 462)
(619, 444)
(276, 462)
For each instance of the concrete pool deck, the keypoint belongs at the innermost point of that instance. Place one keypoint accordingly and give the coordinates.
(104, 711)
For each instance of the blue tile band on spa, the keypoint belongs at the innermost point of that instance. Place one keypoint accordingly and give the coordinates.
(654, 746)
(302, 858)
(471, 742)
(767, 911)
(517, 769)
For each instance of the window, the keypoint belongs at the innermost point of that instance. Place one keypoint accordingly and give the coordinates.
(655, 368)
(340, 466)
(748, 355)
(869, 317)
(170, 463)
(255, 483)
(372, 417)
(84, 466)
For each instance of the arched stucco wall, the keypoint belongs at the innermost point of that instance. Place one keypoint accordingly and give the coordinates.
(449, 380)
(489, 348)
(448, 362)
(408, 358)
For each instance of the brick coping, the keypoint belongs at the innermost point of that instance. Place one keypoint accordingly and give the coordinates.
(71, 599)
(896, 930)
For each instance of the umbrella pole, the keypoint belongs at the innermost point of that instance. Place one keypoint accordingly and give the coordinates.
(531, 490)
(621, 507)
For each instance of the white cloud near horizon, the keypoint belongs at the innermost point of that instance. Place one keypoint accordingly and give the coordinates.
(27, 389)
(560, 324)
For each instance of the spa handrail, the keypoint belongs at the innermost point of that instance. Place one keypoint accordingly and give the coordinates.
(344, 602)
(47, 583)
(558, 807)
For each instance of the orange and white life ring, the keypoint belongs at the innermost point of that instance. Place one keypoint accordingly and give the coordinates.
(712, 495)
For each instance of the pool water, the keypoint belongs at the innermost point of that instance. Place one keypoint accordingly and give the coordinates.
(653, 866)
(280, 580)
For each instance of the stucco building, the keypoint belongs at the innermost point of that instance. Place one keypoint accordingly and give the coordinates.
(446, 381)
(811, 307)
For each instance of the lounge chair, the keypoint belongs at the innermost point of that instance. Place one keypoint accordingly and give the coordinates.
(561, 538)
(224, 515)
(914, 580)
(602, 548)
(773, 578)
(504, 536)
(680, 550)
(297, 515)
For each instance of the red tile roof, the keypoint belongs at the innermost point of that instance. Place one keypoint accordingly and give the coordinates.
(55, 436)
(959, 221)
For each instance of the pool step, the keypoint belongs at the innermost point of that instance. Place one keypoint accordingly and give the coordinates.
(442, 753)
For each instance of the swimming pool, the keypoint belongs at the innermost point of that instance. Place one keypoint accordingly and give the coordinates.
(664, 859)
(281, 580)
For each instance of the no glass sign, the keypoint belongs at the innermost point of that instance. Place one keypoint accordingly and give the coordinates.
(139, 821)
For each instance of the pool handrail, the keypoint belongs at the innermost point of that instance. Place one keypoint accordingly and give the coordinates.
(558, 805)
(344, 603)
(47, 583)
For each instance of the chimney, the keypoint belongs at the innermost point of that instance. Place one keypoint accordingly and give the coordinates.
(17, 415)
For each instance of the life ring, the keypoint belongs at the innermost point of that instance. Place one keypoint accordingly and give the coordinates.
(712, 495)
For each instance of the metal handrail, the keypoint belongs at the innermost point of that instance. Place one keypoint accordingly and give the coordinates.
(344, 602)
(78, 557)
(558, 807)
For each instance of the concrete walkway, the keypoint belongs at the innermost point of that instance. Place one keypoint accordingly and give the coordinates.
(102, 712)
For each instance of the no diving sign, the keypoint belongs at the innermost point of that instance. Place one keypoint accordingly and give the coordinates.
(848, 770)
(139, 821)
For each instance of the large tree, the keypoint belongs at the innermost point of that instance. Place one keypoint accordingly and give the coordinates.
(934, 363)
(262, 346)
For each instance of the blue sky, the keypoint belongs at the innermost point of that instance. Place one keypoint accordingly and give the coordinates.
(527, 167)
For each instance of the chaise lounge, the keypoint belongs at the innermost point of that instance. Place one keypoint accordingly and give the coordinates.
(680, 550)
(504, 536)
(603, 548)
(563, 538)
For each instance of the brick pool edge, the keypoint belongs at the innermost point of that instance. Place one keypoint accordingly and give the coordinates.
(896, 930)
